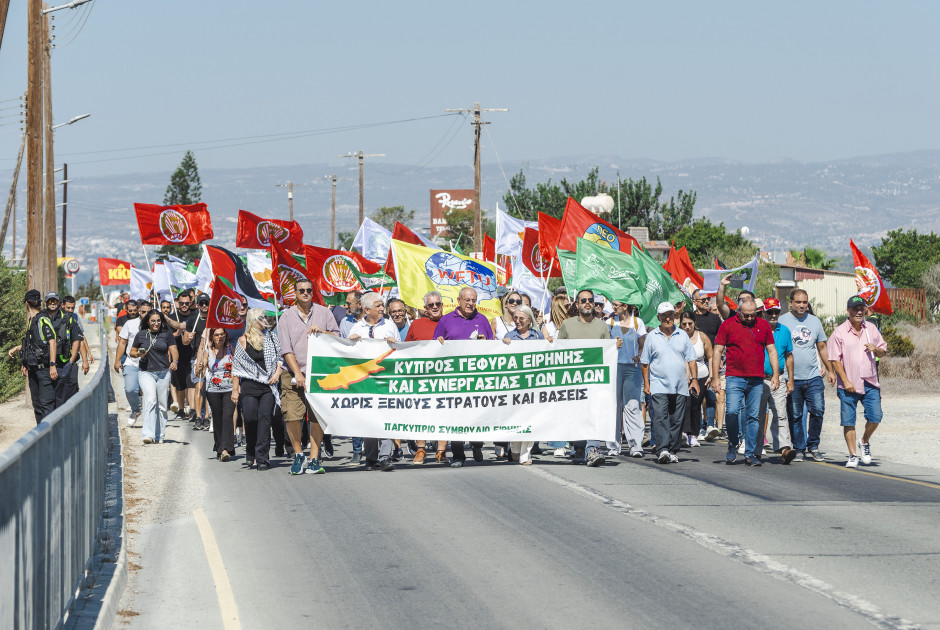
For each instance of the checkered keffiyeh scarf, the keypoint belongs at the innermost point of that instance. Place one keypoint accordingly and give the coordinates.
(243, 366)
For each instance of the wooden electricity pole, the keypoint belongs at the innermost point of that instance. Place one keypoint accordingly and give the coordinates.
(360, 155)
(478, 210)
(49, 248)
(35, 263)
(4, 7)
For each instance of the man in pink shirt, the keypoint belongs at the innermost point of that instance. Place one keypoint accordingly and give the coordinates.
(853, 347)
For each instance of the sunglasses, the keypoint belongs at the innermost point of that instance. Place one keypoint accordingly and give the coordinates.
(433, 304)
(586, 300)
(304, 291)
(513, 301)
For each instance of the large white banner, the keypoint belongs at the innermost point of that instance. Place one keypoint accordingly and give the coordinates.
(475, 390)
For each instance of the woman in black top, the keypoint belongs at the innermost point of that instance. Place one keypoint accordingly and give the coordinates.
(155, 346)
(256, 369)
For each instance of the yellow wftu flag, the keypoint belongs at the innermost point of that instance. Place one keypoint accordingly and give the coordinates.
(421, 269)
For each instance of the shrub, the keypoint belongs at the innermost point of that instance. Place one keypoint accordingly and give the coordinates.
(12, 327)
(898, 345)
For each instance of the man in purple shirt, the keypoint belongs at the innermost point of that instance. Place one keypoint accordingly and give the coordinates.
(303, 318)
(464, 322)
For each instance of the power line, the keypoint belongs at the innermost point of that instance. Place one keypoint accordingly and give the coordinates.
(506, 179)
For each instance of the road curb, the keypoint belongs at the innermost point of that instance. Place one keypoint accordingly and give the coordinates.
(96, 604)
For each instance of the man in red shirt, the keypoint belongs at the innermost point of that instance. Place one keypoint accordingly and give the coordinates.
(422, 329)
(746, 338)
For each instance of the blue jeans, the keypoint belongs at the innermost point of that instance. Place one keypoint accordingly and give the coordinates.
(810, 393)
(742, 398)
(132, 386)
(156, 387)
(711, 402)
(357, 445)
(871, 404)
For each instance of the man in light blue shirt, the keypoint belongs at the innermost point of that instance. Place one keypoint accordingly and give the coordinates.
(809, 358)
(668, 361)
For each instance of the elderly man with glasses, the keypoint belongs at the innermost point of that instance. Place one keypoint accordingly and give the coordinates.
(746, 338)
(422, 329)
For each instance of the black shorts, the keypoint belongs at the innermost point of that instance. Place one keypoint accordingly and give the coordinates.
(182, 378)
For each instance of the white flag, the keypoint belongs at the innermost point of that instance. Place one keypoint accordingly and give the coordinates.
(161, 282)
(711, 278)
(141, 283)
(373, 241)
(260, 268)
(525, 282)
(510, 233)
(178, 274)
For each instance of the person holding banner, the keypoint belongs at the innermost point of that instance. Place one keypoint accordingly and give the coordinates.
(422, 329)
(296, 323)
(256, 369)
(668, 364)
(585, 326)
(630, 333)
(373, 325)
(524, 320)
(464, 322)
(219, 385)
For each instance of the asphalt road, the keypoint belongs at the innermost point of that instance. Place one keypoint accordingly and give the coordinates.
(632, 544)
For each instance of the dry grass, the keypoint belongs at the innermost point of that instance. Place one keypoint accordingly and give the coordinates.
(919, 373)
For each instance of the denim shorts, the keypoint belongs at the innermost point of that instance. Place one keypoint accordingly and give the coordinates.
(871, 404)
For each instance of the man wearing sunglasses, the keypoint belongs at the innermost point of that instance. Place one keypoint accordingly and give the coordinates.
(422, 329)
(585, 326)
(297, 322)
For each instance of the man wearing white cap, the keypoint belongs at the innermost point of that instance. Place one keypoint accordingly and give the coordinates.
(668, 363)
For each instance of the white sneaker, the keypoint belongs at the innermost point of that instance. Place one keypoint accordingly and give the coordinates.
(711, 434)
(665, 457)
(673, 459)
(853, 462)
(865, 452)
(741, 448)
(131, 419)
(693, 441)
(174, 407)
(559, 452)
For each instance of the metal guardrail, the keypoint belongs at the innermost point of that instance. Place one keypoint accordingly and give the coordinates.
(52, 488)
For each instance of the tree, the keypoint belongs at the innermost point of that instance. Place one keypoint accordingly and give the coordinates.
(640, 203)
(387, 216)
(460, 227)
(344, 240)
(12, 327)
(704, 240)
(931, 283)
(813, 258)
(904, 256)
(185, 188)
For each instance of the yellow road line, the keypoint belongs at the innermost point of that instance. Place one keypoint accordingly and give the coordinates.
(926, 484)
(223, 588)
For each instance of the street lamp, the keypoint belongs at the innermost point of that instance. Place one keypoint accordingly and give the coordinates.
(71, 121)
(70, 5)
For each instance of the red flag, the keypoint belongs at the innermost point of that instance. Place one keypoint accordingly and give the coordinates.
(534, 261)
(173, 225)
(682, 271)
(223, 306)
(114, 271)
(337, 271)
(579, 222)
(286, 271)
(549, 231)
(256, 233)
(489, 248)
(870, 287)
(401, 233)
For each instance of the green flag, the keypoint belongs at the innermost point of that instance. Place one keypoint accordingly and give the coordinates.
(652, 283)
(610, 272)
(568, 261)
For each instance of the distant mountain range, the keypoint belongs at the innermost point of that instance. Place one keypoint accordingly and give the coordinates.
(783, 204)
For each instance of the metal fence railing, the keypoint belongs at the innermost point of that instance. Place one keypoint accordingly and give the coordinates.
(52, 487)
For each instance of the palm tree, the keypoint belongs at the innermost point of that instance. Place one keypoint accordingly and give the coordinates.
(813, 258)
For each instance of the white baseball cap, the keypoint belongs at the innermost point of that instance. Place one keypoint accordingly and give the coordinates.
(665, 307)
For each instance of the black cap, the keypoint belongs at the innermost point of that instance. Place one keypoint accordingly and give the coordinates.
(855, 300)
(32, 296)
(203, 298)
(52, 295)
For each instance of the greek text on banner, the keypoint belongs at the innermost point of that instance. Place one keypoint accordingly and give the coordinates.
(474, 390)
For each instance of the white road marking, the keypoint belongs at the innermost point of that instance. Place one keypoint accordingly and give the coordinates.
(223, 588)
(741, 554)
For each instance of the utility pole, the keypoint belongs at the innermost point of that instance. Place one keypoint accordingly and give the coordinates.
(478, 210)
(11, 201)
(360, 155)
(65, 202)
(290, 195)
(49, 253)
(35, 263)
(4, 7)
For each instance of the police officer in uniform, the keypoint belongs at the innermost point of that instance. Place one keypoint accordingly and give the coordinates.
(37, 356)
(68, 342)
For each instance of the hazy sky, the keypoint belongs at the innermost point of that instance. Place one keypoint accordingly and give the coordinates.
(749, 81)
